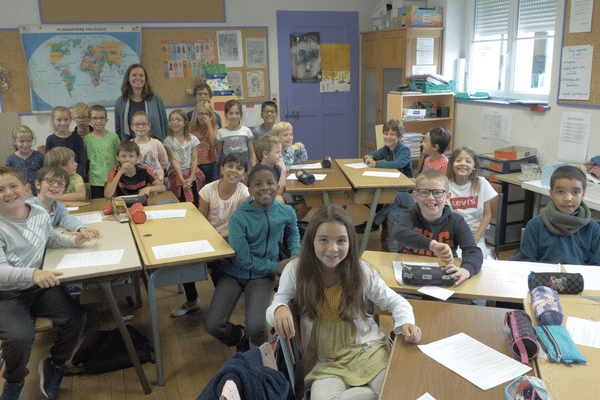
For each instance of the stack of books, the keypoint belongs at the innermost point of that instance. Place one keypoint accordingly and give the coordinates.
(413, 142)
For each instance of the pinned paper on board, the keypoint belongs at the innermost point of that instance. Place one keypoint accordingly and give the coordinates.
(335, 61)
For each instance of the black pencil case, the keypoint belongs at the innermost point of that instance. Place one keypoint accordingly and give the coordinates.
(562, 282)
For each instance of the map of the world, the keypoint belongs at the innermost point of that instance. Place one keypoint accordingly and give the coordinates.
(67, 68)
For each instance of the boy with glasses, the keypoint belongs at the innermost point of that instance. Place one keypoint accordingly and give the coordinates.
(431, 228)
(80, 114)
(202, 94)
(269, 114)
(101, 146)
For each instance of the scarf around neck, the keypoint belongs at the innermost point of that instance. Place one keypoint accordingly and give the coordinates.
(564, 224)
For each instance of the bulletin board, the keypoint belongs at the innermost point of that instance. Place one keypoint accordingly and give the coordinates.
(12, 58)
(579, 39)
(173, 90)
(132, 11)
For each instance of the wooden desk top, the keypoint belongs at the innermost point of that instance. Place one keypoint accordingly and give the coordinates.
(97, 204)
(335, 181)
(488, 284)
(592, 192)
(194, 227)
(411, 373)
(513, 178)
(573, 381)
(113, 236)
(358, 181)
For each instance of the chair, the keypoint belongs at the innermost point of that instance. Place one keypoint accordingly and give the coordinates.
(379, 136)
(39, 325)
(498, 212)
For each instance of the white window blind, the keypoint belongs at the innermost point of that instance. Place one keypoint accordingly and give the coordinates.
(491, 18)
(536, 16)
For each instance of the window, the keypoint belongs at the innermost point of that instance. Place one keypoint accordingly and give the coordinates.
(511, 48)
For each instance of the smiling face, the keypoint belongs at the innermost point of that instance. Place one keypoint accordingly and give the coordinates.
(287, 138)
(269, 114)
(427, 147)
(234, 116)
(140, 125)
(263, 188)
(233, 172)
(463, 168)
(390, 139)
(24, 142)
(50, 188)
(567, 195)
(99, 120)
(61, 121)
(71, 167)
(137, 78)
(431, 207)
(331, 243)
(177, 123)
(82, 121)
(203, 113)
(202, 96)
(127, 157)
(272, 157)
(13, 193)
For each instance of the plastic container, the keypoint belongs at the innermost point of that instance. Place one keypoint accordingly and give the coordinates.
(530, 172)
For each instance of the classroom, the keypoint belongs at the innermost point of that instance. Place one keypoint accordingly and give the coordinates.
(538, 130)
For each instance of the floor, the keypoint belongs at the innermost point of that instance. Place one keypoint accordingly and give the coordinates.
(191, 355)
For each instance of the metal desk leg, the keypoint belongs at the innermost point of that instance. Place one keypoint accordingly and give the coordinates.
(112, 302)
(372, 213)
(326, 198)
(166, 277)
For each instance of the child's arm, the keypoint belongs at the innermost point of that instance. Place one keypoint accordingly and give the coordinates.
(530, 246)
(212, 132)
(163, 158)
(278, 314)
(175, 162)
(300, 153)
(472, 257)
(282, 177)
(193, 167)
(114, 178)
(373, 156)
(405, 233)
(78, 194)
(155, 187)
(219, 149)
(251, 153)
(401, 159)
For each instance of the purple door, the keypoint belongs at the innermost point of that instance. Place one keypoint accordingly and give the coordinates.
(327, 123)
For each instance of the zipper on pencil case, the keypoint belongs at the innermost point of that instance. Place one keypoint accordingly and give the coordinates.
(559, 357)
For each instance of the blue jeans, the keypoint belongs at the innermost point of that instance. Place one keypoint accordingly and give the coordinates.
(210, 172)
(226, 296)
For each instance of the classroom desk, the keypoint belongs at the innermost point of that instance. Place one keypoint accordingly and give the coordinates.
(332, 189)
(372, 190)
(113, 235)
(175, 270)
(528, 199)
(411, 373)
(572, 381)
(97, 204)
(592, 194)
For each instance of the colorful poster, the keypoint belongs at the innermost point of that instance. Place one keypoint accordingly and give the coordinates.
(256, 53)
(335, 59)
(184, 58)
(305, 49)
(256, 83)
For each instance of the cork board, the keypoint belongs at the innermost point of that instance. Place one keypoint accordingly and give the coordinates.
(12, 58)
(173, 90)
(132, 11)
(578, 39)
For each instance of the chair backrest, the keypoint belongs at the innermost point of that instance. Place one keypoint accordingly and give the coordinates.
(379, 136)
(498, 213)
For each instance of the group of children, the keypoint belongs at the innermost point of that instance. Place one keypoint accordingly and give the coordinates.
(448, 210)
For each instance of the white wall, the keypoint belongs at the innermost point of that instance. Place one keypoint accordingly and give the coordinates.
(238, 13)
(528, 128)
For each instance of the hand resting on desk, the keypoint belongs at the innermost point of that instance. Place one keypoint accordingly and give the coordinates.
(459, 274)
(442, 250)
(412, 333)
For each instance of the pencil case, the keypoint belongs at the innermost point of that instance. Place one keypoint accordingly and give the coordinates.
(562, 282)
(546, 306)
(526, 388)
(420, 275)
(557, 343)
(518, 327)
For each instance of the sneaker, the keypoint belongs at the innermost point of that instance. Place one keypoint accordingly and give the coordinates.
(360, 229)
(384, 231)
(12, 391)
(244, 343)
(50, 378)
(186, 308)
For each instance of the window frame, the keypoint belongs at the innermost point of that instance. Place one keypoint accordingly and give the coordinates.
(509, 76)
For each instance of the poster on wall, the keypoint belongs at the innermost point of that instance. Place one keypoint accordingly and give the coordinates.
(305, 49)
(184, 58)
(235, 83)
(256, 83)
(229, 45)
(78, 63)
(335, 59)
(256, 53)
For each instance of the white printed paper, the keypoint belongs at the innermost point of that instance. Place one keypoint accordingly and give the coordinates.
(591, 276)
(575, 72)
(229, 46)
(161, 214)
(382, 174)
(91, 259)
(573, 138)
(306, 166)
(182, 249)
(358, 165)
(497, 124)
(437, 292)
(581, 16)
(318, 177)
(517, 272)
(89, 218)
(584, 332)
(256, 53)
(479, 364)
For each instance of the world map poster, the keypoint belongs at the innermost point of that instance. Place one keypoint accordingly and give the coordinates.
(71, 64)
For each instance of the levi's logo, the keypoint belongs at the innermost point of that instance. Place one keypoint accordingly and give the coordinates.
(463, 203)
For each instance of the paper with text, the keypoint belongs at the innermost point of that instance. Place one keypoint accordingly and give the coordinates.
(591, 275)
(479, 364)
(306, 166)
(358, 165)
(576, 72)
(581, 16)
(584, 332)
(91, 259)
(89, 218)
(382, 174)
(160, 214)
(182, 249)
(574, 134)
(517, 272)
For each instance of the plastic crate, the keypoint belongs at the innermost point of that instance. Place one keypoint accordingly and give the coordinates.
(428, 87)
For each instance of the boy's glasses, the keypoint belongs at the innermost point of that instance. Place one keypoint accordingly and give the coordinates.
(270, 112)
(437, 193)
(140, 124)
(98, 118)
(176, 120)
(52, 182)
(80, 118)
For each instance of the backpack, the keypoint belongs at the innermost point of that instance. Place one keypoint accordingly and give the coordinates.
(105, 351)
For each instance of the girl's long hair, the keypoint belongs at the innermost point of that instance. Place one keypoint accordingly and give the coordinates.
(183, 115)
(310, 289)
(194, 124)
(473, 176)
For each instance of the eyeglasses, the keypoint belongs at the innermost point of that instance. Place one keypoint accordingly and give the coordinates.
(98, 118)
(437, 193)
(270, 112)
(204, 114)
(80, 118)
(52, 182)
(202, 94)
(176, 120)
(140, 124)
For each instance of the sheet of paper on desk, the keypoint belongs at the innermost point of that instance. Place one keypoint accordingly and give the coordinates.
(382, 174)
(160, 214)
(318, 177)
(479, 364)
(182, 249)
(584, 332)
(89, 218)
(358, 165)
(591, 275)
(426, 396)
(306, 166)
(517, 271)
(437, 292)
(69, 209)
(91, 259)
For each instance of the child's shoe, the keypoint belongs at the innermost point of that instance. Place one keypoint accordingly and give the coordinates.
(12, 391)
(50, 378)
(187, 307)
(244, 343)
